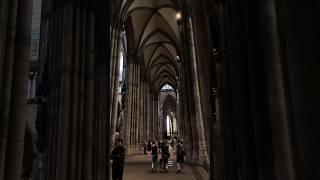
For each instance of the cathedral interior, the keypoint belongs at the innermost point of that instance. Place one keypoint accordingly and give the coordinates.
(237, 80)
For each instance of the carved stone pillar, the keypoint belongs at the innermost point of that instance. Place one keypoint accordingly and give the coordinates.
(17, 21)
(130, 111)
(147, 117)
(141, 118)
(277, 99)
(138, 118)
(203, 154)
(65, 86)
(75, 95)
(150, 114)
(116, 59)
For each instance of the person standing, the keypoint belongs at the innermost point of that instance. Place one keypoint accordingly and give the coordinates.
(180, 156)
(154, 157)
(165, 156)
(117, 156)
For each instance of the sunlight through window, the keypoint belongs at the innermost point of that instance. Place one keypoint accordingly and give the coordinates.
(167, 87)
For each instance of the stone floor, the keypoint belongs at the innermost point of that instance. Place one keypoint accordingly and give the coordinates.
(138, 167)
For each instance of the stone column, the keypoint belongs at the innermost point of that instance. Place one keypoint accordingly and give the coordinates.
(77, 122)
(189, 141)
(115, 93)
(155, 122)
(180, 128)
(277, 100)
(65, 104)
(82, 101)
(111, 65)
(141, 113)
(134, 107)
(8, 17)
(114, 46)
(4, 10)
(90, 99)
(48, 155)
(102, 134)
(138, 118)
(150, 115)
(75, 95)
(157, 127)
(21, 32)
(152, 128)
(199, 119)
(129, 96)
(146, 104)
(54, 59)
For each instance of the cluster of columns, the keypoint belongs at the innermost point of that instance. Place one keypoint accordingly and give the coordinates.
(190, 103)
(133, 116)
(141, 109)
(77, 139)
(15, 32)
(261, 117)
(116, 42)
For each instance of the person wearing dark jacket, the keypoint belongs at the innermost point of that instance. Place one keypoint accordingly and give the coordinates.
(180, 156)
(154, 157)
(117, 155)
(165, 154)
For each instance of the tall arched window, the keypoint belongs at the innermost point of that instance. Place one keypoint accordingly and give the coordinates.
(167, 87)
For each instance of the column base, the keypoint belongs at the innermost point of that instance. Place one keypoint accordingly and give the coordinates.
(199, 157)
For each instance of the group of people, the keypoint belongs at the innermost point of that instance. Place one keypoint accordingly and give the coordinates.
(165, 148)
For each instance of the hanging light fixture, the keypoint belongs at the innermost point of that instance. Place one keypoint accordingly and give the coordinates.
(178, 15)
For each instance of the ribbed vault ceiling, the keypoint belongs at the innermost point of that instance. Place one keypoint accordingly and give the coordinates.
(155, 38)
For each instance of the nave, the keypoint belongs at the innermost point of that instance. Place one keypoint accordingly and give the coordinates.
(237, 80)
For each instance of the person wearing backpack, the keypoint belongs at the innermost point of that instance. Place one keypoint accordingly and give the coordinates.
(180, 156)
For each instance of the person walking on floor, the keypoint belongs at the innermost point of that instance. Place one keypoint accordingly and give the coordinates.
(154, 157)
(165, 156)
(117, 156)
(180, 156)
